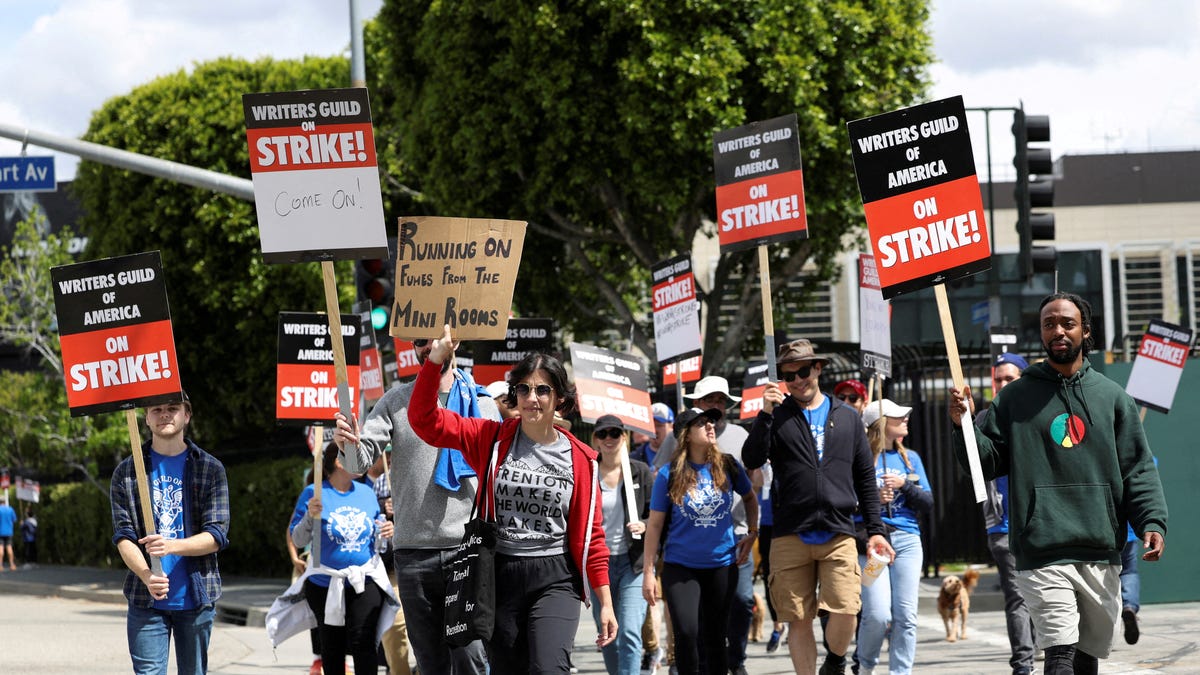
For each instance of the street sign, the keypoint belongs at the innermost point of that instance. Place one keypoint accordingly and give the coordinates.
(27, 174)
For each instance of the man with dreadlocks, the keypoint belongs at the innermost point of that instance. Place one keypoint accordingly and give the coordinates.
(1071, 442)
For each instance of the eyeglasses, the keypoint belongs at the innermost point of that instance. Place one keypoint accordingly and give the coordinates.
(802, 373)
(542, 390)
(419, 343)
(612, 432)
(849, 398)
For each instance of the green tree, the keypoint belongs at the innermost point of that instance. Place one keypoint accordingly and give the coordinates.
(224, 300)
(593, 120)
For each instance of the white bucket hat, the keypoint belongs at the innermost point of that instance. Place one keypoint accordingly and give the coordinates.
(890, 409)
(709, 385)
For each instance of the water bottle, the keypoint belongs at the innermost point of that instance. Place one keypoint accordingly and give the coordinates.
(381, 543)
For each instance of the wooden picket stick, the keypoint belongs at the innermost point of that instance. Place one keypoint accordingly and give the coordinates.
(764, 282)
(1142, 414)
(968, 426)
(627, 481)
(334, 314)
(143, 485)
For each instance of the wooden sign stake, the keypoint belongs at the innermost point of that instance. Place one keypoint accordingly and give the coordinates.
(956, 373)
(334, 313)
(627, 482)
(143, 486)
(764, 282)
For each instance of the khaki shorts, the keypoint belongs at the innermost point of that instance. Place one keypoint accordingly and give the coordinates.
(799, 569)
(1073, 604)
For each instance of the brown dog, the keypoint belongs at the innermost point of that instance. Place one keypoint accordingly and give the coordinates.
(954, 603)
(756, 619)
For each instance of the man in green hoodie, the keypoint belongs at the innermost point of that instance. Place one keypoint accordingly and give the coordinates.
(1071, 442)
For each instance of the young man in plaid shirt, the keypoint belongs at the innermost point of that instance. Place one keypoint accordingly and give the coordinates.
(191, 511)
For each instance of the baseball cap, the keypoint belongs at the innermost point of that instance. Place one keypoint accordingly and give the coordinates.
(1012, 358)
(690, 416)
(497, 389)
(853, 385)
(890, 409)
(608, 422)
(662, 413)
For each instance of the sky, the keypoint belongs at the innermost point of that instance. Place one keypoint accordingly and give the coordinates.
(1113, 75)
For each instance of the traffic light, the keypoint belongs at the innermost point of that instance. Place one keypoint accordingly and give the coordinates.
(1034, 189)
(374, 279)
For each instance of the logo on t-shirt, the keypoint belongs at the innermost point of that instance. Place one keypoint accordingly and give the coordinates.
(1067, 430)
(168, 505)
(706, 505)
(350, 528)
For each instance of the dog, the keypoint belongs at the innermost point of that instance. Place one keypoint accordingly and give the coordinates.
(954, 603)
(756, 619)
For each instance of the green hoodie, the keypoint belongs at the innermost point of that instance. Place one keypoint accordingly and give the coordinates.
(1072, 487)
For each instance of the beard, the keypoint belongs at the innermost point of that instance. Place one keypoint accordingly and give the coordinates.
(1065, 358)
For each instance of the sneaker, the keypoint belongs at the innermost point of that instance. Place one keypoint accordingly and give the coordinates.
(656, 660)
(317, 667)
(1132, 632)
(833, 667)
(773, 643)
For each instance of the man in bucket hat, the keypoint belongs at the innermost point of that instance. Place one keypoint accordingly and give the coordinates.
(818, 449)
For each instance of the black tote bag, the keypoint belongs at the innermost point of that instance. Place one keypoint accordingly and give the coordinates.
(470, 611)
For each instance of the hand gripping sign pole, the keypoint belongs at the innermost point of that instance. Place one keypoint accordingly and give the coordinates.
(139, 470)
(968, 427)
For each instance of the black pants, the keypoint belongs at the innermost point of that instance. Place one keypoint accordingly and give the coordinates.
(764, 566)
(537, 614)
(700, 601)
(357, 637)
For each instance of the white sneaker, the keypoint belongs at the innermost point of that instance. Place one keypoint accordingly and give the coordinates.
(657, 659)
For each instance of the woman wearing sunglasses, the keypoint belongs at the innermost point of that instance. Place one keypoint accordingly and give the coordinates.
(624, 539)
(551, 550)
(692, 506)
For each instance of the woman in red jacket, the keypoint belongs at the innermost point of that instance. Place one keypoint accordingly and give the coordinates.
(550, 551)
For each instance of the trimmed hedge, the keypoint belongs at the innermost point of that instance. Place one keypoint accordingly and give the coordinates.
(75, 521)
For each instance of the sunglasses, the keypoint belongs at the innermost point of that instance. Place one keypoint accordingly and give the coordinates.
(612, 432)
(849, 398)
(419, 343)
(802, 373)
(542, 390)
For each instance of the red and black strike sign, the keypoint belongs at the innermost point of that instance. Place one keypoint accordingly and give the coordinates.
(115, 330)
(495, 358)
(916, 174)
(753, 388)
(612, 383)
(1158, 367)
(760, 187)
(305, 379)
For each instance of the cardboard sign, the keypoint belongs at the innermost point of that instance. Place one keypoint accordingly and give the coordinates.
(760, 187)
(114, 326)
(916, 174)
(612, 383)
(676, 311)
(305, 384)
(457, 271)
(316, 178)
(495, 358)
(875, 319)
(1159, 365)
(753, 387)
(690, 368)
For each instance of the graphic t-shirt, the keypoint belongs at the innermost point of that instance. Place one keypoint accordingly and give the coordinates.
(700, 532)
(170, 503)
(347, 525)
(533, 491)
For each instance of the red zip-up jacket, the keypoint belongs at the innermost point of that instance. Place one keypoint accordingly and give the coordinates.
(443, 428)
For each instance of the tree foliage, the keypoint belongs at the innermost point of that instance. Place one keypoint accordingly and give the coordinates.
(593, 120)
(224, 300)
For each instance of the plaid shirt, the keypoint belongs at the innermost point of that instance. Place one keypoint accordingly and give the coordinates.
(207, 510)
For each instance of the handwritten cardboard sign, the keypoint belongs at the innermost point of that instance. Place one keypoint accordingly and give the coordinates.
(676, 311)
(760, 186)
(612, 383)
(1158, 367)
(495, 358)
(316, 177)
(306, 390)
(114, 326)
(753, 388)
(916, 174)
(875, 319)
(457, 271)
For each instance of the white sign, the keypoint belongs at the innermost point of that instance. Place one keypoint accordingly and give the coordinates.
(875, 319)
(1159, 365)
(676, 311)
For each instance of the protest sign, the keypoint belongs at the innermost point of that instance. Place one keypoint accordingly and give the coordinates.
(760, 186)
(1003, 339)
(405, 362)
(370, 365)
(753, 387)
(457, 271)
(1158, 367)
(495, 358)
(612, 383)
(676, 310)
(690, 369)
(924, 211)
(28, 490)
(315, 174)
(305, 389)
(875, 319)
(114, 327)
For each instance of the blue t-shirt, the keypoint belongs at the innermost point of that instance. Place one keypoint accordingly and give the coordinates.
(170, 504)
(8, 518)
(1002, 488)
(817, 418)
(700, 532)
(347, 525)
(898, 514)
